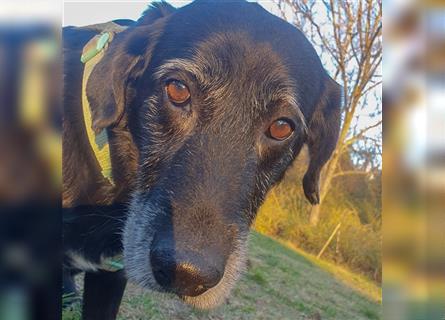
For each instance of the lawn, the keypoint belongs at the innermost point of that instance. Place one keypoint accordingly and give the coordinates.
(281, 283)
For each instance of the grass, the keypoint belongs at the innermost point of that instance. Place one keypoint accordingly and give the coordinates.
(281, 283)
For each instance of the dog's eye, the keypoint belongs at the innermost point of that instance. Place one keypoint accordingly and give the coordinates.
(281, 129)
(177, 92)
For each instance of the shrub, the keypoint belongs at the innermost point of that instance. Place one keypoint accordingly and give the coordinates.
(285, 215)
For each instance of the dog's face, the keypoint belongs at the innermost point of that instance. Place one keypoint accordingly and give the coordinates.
(219, 99)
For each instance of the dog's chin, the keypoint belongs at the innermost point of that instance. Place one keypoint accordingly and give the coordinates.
(210, 299)
(137, 238)
(138, 271)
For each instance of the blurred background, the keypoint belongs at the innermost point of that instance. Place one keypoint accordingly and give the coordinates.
(414, 160)
(30, 160)
(365, 220)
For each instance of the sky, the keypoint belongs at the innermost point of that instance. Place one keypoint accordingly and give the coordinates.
(80, 13)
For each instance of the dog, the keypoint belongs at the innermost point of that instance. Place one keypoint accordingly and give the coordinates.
(205, 107)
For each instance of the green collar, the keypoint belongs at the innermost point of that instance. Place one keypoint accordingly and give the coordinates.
(92, 51)
(113, 264)
(99, 142)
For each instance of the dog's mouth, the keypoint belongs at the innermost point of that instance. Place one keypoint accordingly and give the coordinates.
(152, 269)
(201, 297)
(138, 237)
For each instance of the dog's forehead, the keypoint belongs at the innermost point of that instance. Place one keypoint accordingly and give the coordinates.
(230, 64)
(241, 44)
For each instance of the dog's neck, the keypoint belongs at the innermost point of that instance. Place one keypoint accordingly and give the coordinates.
(83, 182)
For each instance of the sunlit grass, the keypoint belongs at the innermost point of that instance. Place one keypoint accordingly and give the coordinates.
(281, 283)
(353, 280)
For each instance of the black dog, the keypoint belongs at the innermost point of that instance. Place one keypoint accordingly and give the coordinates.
(205, 108)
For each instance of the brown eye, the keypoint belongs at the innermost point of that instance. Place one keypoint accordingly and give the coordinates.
(177, 92)
(281, 129)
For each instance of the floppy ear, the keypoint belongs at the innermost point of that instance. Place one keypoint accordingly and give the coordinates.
(110, 87)
(107, 88)
(322, 138)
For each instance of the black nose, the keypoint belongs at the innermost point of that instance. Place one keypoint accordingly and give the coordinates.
(189, 275)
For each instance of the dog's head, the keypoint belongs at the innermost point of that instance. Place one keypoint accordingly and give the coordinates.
(219, 99)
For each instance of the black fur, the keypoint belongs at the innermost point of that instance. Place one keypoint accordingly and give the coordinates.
(191, 177)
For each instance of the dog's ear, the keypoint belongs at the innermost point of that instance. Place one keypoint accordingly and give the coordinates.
(111, 86)
(322, 138)
(107, 86)
(155, 11)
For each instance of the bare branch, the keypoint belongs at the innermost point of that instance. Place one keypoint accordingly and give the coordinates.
(361, 134)
(349, 33)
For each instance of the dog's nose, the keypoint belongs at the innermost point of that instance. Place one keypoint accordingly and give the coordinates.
(187, 277)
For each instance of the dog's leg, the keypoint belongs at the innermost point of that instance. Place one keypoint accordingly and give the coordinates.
(102, 295)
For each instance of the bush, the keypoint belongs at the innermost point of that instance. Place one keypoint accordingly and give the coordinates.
(285, 215)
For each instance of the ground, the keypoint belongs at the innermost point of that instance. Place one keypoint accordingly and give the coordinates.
(281, 283)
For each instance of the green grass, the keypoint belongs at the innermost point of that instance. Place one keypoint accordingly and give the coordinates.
(281, 283)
